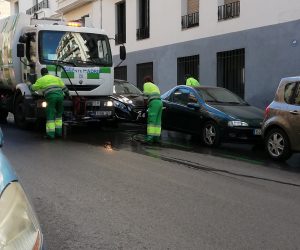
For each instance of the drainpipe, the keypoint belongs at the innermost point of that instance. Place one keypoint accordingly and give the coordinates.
(100, 2)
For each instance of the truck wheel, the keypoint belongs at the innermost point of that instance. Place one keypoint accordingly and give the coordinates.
(19, 113)
(277, 145)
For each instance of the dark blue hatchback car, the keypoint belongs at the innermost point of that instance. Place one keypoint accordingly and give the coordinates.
(214, 113)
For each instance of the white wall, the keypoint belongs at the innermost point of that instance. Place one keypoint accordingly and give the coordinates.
(165, 20)
(4, 9)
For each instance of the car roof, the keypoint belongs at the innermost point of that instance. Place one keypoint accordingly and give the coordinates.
(290, 79)
(120, 81)
(200, 87)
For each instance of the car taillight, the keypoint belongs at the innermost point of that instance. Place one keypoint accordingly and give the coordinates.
(267, 111)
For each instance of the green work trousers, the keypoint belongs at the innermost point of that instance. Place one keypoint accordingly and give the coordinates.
(54, 111)
(154, 120)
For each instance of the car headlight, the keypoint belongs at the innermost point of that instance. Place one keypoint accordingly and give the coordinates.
(108, 104)
(44, 104)
(19, 228)
(237, 124)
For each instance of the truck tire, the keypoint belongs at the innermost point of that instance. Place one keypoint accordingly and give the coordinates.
(19, 113)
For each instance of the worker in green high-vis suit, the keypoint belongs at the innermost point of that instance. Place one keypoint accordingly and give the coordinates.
(54, 90)
(191, 81)
(154, 110)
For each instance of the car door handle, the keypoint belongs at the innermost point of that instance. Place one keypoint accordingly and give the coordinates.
(295, 112)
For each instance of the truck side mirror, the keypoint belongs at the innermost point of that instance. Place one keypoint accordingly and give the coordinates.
(20, 50)
(122, 52)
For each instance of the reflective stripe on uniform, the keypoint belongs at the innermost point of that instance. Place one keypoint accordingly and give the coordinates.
(50, 126)
(154, 130)
(153, 96)
(51, 89)
(58, 123)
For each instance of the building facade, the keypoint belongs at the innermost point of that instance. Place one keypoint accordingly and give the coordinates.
(4, 9)
(246, 46)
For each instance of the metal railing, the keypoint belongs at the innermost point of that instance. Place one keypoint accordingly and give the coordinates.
(120, 38)
(190, 20)
(229, 11)
(142, 33)
(41, 5)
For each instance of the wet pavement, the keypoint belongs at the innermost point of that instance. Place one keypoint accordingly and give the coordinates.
(128, 137)
(100, 188)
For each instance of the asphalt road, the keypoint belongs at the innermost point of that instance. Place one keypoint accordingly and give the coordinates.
(101, 189)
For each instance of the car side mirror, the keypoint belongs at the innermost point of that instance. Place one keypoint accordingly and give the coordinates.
(194, 106)
(20, 50)
(122, 52)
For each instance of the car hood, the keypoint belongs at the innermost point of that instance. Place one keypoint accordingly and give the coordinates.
(252, 115)
(137, 100)
(7, 174)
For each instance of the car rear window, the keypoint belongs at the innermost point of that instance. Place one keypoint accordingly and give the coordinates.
(289, 92)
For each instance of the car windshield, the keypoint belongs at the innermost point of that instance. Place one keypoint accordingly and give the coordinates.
(79, 49)
(126, 88)
(220, 95)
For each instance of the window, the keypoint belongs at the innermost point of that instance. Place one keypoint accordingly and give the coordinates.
(219, 95)
(126, 88)
(184, 96)
(228, 9)
(143, 69)
(231, 71)
(290, 94)
(121, 73)
(190, 13)
(297, 95)
(187, 66)
(143, 30)
(120, 36)
(74, 48)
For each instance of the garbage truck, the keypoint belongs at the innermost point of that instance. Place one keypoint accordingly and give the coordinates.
(80, 56)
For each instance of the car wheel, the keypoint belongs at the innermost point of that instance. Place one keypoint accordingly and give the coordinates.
(19, 113)
(277, 145)
(211, 134)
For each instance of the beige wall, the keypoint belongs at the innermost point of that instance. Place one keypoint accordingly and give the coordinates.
(78, 12)
(4, 9)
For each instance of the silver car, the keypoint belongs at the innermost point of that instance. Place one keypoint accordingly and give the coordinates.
(281, 127)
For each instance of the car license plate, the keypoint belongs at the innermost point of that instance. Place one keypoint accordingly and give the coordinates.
(103, 113)
(96, 104)
(257, 132)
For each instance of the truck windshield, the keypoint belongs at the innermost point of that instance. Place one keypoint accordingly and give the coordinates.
(79, 49)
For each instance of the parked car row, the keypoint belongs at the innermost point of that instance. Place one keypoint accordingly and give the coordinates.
(217, 115)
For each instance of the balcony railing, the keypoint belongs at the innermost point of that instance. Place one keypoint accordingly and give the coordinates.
(120, 38)
(229, 11)
(41, 5)
(142, 33)
(190, 20)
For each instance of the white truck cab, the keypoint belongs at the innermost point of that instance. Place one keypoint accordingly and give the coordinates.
(80, 56)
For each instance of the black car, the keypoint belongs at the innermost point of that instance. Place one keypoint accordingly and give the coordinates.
(214, 113)
(129, 102)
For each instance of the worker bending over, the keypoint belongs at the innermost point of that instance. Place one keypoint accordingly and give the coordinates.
(154, 110)
(54, 90)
